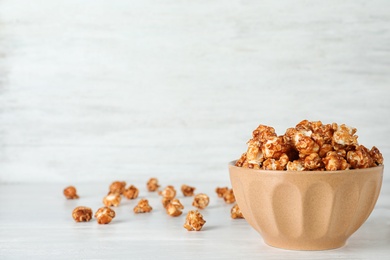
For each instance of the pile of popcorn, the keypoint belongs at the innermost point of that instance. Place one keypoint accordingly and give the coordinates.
(309, 146)
(194, 219)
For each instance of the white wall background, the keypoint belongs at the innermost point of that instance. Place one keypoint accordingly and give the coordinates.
(101, 90)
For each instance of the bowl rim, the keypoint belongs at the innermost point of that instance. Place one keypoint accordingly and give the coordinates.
(286, 172)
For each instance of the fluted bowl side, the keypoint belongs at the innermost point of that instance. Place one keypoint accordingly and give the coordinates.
(310, 210)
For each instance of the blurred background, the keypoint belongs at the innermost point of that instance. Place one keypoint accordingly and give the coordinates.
(98, 90)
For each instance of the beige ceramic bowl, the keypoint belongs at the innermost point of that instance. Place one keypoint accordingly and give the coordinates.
(306, 210)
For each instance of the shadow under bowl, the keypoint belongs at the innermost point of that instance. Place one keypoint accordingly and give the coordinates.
(306, 210)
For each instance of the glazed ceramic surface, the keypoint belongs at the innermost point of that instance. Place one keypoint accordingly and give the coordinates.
(306, 210)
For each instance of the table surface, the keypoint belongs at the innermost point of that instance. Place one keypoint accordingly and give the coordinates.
(35, 221)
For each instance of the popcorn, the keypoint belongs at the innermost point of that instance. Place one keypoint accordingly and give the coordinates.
(312, 162)
(174, 208)
(117, 187)
(104, 215)
(309, 146)
(333, 162)
(194, 221)
(112, 199)
(360, 158)
(169, 192)
(201, 201)
(229, 197)
(297, 165)
(236, 212)
(376, 155)
(131, 192)
(187, 191)
(221, 191)
(152, 184)
(142, 207)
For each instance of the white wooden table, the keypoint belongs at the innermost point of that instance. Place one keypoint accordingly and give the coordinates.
(36, 222)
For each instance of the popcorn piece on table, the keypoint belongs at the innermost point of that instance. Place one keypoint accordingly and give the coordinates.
(131, 192)
(229, 196)
(152, 184)
(112, 199)
(201, 201)
(143, 207)
(236, 212)
(169, 192)
(71, 193)
(117, 187)
(104, 215)
(82, 214)
(174, 208)
(187, 191)
(194, 221)
(221, 191)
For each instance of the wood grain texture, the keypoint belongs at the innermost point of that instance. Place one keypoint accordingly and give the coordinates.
(35, 221)
(95, 90)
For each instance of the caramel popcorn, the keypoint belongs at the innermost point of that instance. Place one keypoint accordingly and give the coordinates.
(236, 212)
(309, 146)
(272, 164)
(296, 165)
(82, 214)
(169, 192)
(194, 221)
(221, 191)
(104, 215)
(188, 191)
(131, 192)
(117, 187)
(143, 206)
(174, 208)
(152, 184)
(242, 160)
(165, 201)
(71, 193)
(229, 196)
(325, 148)
(344, 137)
(333, 162)
(360, 158)
(312, 162)
(376, 155)
(201, 201)
(275, 147)
(112, 199)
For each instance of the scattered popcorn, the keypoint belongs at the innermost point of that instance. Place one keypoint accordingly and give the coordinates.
(174, 208)
(201, 201)
(236, 212)
(82, 214)
(165, 201)
(169, 192)
(188, 191)
(194, 221)
(104, 215)
(112, 199)
(152, 184)
(117, 187)
(131, 192)
(71, 193)
(221, 191)
(229, 196)
(143, 206)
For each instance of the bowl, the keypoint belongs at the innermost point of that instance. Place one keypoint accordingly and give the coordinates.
(306, 210)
